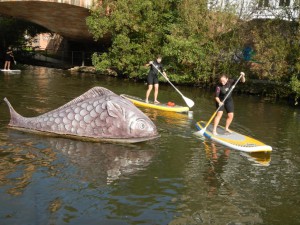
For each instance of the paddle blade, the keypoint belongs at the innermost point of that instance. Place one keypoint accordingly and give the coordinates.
(190, 103)
(200, 133)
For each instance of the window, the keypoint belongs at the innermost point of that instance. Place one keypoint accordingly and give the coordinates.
(284, 3)
(263, 3)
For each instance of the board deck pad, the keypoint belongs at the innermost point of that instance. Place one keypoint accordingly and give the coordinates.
(161, 106)
(233, 140)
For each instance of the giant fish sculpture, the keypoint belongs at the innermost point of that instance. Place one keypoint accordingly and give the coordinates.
(97, 115)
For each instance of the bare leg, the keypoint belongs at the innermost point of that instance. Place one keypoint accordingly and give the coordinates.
(228, 121)
(150, 86)
(216, 122)
(8, 65)
(5, 64)
(155, 93)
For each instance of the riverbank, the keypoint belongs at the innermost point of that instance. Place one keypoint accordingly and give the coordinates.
(269, 90)
(92, 69)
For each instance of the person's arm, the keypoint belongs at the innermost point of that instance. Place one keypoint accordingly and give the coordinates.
(218, 100)
(243, 79)
(149, 64)
(161, 69)
(165, 75)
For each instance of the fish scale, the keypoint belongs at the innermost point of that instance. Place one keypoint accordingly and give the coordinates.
(78, 121)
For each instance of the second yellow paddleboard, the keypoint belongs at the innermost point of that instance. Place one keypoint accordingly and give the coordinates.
(140, 102)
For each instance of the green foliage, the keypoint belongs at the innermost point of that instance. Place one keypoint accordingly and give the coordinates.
(13, 31)
(196, 44)
(271, 49)
(181, 30)
(137, 31)
(295, 85)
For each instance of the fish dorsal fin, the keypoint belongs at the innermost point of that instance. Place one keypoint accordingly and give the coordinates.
(92, 93)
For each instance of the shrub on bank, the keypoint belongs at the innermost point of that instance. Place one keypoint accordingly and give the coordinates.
(197, 45)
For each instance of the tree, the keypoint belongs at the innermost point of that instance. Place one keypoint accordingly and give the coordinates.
(137, 30)
(182, 30)
(13, 31)
(196, 42)
(193, 42)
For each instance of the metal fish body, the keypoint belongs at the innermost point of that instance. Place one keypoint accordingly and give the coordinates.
(98, 115)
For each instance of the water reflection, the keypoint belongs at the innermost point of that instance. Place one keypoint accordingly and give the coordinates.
(171, 124)
(97, 163)
(213, 191)
(20, 158)
(103, 162)
(180, 119)
(258, 158)
(217, 162)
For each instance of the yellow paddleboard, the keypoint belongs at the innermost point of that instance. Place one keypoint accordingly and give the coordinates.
(233, 140)
(140, 102)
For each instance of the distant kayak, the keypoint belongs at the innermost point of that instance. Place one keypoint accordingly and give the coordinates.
(161, 106)
(233, 140)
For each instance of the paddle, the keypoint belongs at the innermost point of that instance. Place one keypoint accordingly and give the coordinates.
(13, 59)
(211, 118)
(188, 101)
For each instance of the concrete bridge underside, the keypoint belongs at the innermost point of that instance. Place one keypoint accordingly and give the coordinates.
(66, 19)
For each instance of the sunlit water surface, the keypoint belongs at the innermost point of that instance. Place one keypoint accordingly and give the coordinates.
(175, 179)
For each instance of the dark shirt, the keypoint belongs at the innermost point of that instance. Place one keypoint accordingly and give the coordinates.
(222, 90)
(153, 71)
(8, 55)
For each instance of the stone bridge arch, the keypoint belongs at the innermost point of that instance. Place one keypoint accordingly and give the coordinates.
(65, 17)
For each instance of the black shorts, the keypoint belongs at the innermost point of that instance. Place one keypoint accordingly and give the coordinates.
(7, 57)
(228, 106)
(152, 80)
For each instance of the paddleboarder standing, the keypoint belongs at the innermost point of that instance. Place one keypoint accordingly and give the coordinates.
(222, 89)
(8, 56)
(152, 79)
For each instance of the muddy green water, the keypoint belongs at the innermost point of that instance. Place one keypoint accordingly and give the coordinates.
(176, 179)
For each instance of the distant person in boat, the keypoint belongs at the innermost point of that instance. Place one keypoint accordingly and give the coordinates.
(8, 57)
(221, 91)
(152, 78)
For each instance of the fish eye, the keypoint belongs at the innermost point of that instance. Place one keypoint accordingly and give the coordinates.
(141, 125)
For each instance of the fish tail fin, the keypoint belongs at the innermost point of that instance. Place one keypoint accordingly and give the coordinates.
(15, 117)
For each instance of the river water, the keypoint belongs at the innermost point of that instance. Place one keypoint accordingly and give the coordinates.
(175, 179)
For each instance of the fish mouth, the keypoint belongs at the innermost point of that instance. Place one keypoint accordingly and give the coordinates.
(133, 140)
(86, 138)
